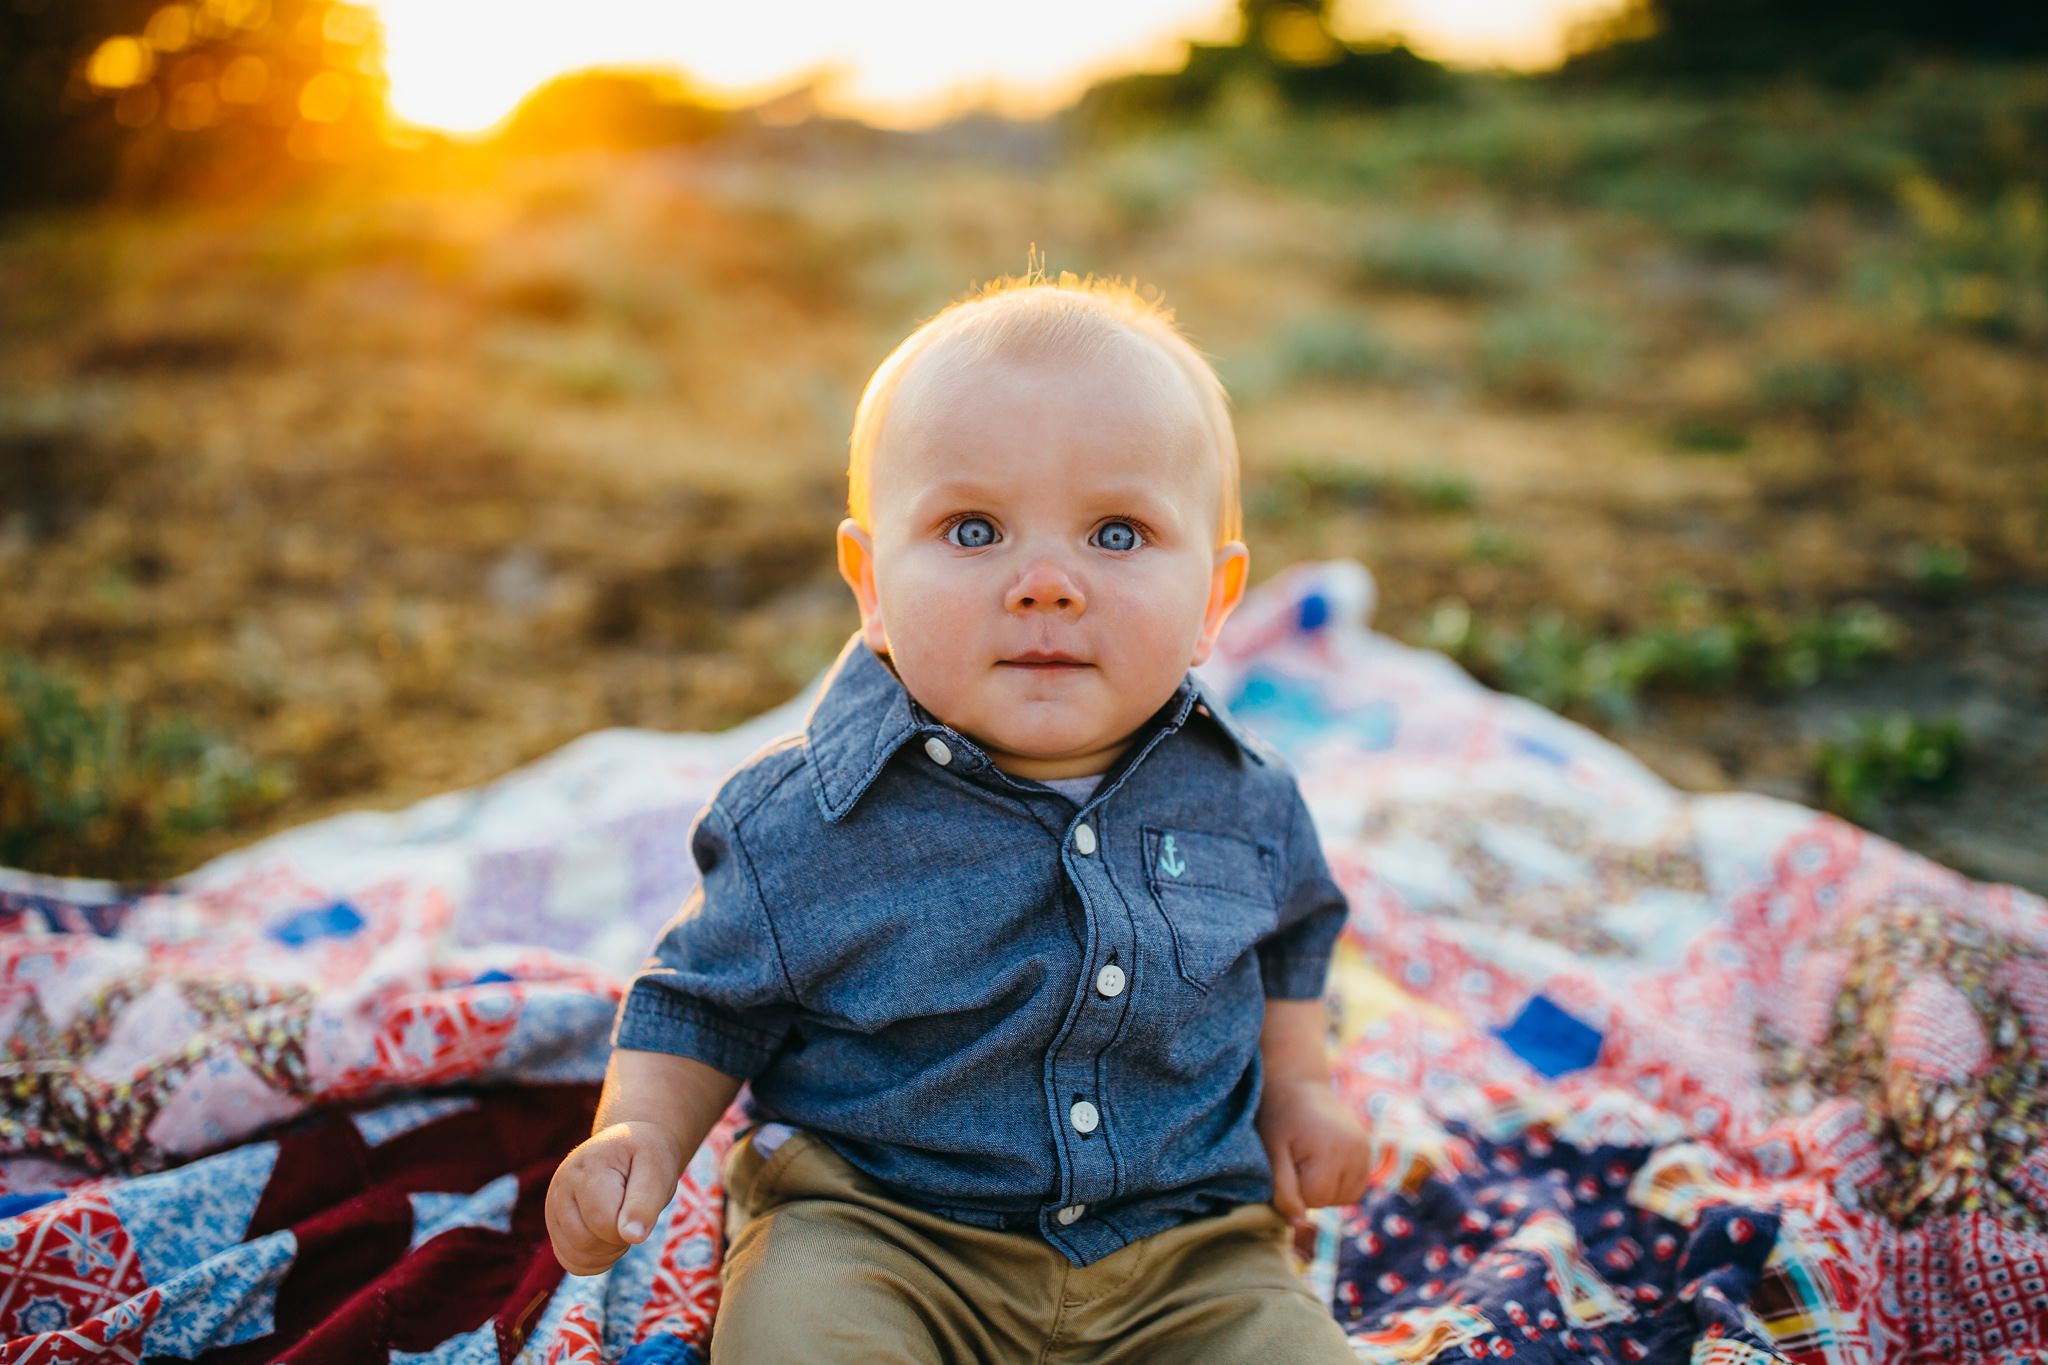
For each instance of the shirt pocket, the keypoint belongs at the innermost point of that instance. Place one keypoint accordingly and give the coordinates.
(1216, 892)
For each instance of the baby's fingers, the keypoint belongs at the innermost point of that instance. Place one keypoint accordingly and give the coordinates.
(599, 1196)
(1357, 1177)
(1287, 1189)
(1326, 1179)
(650, 1184)
(579, 1251)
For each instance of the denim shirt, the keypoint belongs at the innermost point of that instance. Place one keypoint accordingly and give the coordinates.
(1016, 1012)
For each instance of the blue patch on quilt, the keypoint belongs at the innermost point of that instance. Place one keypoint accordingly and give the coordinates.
(1543, 749)
(12, 1204)
(1288, 712)
(662, 1351)
(1551, 1040)
(338, 920)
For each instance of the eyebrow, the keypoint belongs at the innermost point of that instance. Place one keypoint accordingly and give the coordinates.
(957, 489)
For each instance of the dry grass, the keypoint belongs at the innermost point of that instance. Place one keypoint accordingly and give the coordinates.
(401, 487)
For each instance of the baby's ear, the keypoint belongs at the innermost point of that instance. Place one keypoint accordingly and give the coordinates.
(857, 567)
(1226, 587)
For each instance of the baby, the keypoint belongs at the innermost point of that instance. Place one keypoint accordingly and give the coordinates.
(1021, 943)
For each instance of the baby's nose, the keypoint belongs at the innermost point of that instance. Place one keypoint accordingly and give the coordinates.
(1046, 585)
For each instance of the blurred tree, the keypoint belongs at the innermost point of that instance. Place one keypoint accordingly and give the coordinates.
(1841, 42)
(139, 98)
(1285, 46)
(610, 109)
(1288, 32)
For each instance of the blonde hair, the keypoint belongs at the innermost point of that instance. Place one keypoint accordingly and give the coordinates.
(1074, 317)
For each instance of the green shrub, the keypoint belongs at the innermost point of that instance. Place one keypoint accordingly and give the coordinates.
(1147, 182)
(1695, 647)
(1551, 661)
(86, 789)
(1704, 214)
(1334, 348)
(1799, 651)
(1499, 141)
(1724, 174)
(1439, 490)
(1884, 756)
(1938, 568)
(1978, 268)
(1548, 354)
(1492, 545)
(1302, 486)
(1819, 389)
(1463, 255)
(1709, 436)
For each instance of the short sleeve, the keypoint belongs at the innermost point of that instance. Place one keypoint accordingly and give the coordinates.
(715, 988)
(1294, 959)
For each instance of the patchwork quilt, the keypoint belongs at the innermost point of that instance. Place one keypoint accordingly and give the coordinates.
(1650, 1076)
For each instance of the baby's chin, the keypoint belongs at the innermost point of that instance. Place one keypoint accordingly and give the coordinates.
(1058, 749)
(1056, 722)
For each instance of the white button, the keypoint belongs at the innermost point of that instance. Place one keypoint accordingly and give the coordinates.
(1110, 980)
(1084, 840)
(936, 747)
(1084, 1116)
(1071, 1214)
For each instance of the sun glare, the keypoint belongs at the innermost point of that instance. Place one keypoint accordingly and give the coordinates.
(1524, 34)
(463, 65)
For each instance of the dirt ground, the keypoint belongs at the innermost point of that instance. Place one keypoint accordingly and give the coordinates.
(404, 485)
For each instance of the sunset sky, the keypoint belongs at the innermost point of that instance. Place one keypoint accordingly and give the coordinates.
(461, 65)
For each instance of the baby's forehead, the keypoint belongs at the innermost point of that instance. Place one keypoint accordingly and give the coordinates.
(948, 383)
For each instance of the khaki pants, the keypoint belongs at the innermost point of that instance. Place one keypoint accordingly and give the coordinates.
(822, 1264)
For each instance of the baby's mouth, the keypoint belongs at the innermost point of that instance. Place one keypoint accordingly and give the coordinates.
(1046, 662)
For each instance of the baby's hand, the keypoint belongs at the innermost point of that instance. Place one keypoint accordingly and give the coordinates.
(1319, 1150)
(607, 1193)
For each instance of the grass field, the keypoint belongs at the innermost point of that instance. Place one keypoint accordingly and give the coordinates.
(1722, 426)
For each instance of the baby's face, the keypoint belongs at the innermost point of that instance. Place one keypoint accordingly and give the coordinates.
(1043, 506)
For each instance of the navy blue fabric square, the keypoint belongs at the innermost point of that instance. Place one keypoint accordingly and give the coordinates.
(1551, 1040)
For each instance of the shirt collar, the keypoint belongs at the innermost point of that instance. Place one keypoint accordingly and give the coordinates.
(864, 714)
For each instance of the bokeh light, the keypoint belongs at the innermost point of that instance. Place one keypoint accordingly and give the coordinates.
(119, 63)
(170, 28)
(326, 98)
(246, 79)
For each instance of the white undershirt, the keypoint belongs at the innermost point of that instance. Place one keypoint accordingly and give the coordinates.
(1076, 789)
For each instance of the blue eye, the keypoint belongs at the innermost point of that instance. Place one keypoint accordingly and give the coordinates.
(975, 532)
(1118, 535)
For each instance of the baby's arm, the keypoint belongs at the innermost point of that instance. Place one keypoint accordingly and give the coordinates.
(1319, 1150)
(654, 1112)
(708, 1010)
(679, 1094)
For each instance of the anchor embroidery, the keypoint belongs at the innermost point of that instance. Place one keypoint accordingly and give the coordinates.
(1169, 860)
